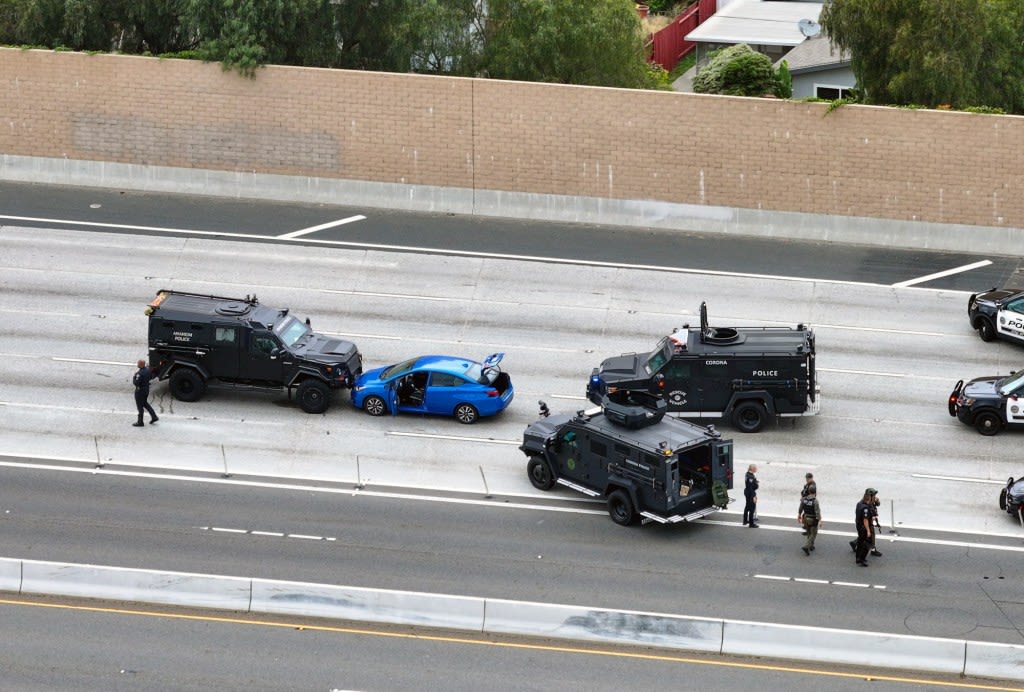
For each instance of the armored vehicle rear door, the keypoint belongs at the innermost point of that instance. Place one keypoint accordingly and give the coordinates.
(265, 361)
(225, 352)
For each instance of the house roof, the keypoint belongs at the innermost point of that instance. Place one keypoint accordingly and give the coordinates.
(815, 54)
(757, 22)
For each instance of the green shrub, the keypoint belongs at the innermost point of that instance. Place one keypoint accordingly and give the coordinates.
(737, 71)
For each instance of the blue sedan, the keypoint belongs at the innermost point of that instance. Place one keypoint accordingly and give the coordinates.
(444, 385)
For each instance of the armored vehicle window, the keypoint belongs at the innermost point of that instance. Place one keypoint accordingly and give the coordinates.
(224, 335)
(444, 379)
(263, 344)
(658, 357)
(291, 331)
(598, 448)
(677, 370)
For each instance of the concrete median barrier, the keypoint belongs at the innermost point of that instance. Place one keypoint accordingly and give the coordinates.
(122, 584)
(595, 624)
(843, 646)
(371, 605)
(991, 660)
(10, 575)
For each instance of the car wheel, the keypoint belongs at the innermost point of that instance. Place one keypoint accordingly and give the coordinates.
(187, 385)
(987, 423)
(749, 416)
(375, 406)
(986, 330)
(466, 413)
(1002, 500)
(540, 474)
(620, 508)
(314, 396)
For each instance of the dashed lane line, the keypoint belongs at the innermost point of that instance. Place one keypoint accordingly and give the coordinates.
(322, 227)
(273, 534)
(825, 582)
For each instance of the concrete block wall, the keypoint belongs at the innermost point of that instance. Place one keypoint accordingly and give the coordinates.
(497, 137)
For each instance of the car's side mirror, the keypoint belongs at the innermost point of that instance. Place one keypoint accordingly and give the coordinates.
(275, 352)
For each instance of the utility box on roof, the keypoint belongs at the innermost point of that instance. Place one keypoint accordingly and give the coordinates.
(747, 374)
(195, 338)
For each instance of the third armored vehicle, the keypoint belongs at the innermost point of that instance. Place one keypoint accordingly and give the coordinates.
(627, 451)
(745, 373)
(194, 338)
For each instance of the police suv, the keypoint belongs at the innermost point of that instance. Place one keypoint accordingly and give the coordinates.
(195, 338)
(989, 403)
(998, 312)
(644, 464)
(746, 373)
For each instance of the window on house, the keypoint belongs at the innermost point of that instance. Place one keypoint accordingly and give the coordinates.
(832, 93)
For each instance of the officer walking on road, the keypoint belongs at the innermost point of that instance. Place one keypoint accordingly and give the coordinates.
(810, 488)
(874, 532)
(141, 381)
(809, 515)
(750, 493)
(863, 518)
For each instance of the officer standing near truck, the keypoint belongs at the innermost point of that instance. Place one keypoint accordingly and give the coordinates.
(750, 493)
(863, 518)
(141, 381)
(809, 515)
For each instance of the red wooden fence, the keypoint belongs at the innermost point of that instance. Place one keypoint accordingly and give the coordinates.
(669, 46)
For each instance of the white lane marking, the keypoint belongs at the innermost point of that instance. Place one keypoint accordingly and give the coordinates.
(91, 362)
(862, 372)
(828, 582)
(273, 534)
(127, 412)
(453, 253)
(353, 492)
(892, 539)
(322, 227)
(376, 294)
(883, 330)
(354, 335)
(939, 275)
(958, 479)
(459, 438)
(40, 313)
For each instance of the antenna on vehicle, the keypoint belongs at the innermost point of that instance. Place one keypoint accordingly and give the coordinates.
(809, 27)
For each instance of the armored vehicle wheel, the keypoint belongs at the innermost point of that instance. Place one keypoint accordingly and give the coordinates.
(187, 385)
(1002, 499)
(749, 417)
(466, 413)
(620, 508)
(987, 423)
(314, 396)
(374, 405)
(540, 475)
(986, 330)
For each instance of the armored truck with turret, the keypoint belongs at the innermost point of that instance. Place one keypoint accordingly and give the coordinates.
(195, 339)
(748, 375)
(646, 466)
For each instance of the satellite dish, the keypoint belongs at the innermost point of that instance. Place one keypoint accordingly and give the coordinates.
(809, 27)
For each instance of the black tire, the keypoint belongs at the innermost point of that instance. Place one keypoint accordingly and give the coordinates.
(988, 423)
(540, 474)
(986, 330)
(749, 416)
(313, 396)
(466, 414)
(620, 508)
(375, 406)
(1002, 499)
(187, 385)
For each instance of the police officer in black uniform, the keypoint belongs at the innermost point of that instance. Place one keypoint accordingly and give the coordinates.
(864, 520)
(141, 381)
(750, 493)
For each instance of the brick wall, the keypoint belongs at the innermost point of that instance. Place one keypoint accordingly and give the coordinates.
(766, 154)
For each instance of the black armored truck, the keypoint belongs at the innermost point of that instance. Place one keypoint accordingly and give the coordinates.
(196, 338)
(645, 465)
(746, 374)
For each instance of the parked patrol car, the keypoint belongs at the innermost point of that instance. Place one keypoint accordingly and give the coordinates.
(746, 373)
(989, 403)
(195, 338)
(644, 464)
(998, 312)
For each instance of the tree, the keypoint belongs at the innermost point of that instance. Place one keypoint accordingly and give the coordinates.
(737, 71)
(597, 42)
(931, 52)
